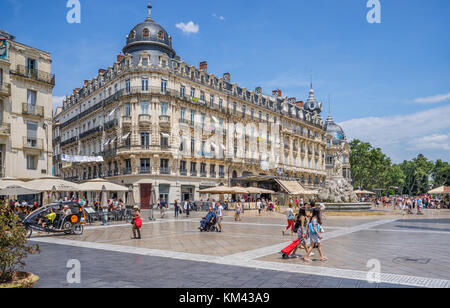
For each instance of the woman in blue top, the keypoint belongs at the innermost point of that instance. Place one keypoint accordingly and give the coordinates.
(315, 227)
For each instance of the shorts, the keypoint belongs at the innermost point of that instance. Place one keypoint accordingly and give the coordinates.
(314, 238)
(302, 239)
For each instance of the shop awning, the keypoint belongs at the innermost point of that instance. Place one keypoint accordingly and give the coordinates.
(295, 188)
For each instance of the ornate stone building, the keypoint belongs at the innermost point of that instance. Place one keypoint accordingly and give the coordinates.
(26, 86)
(160, 123)
(337, 159)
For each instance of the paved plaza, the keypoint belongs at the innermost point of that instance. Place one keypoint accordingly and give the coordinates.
(412, 252)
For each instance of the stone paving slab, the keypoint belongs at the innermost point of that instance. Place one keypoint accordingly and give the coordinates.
(251, 247)
(425, 255)
(104, 269)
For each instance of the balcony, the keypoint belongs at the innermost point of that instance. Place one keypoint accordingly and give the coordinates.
(41, 76)
(164, 121)
(91, 132)
(33, 144)
(164, 170)
(145, 170)
(127, 171)
(213, 175)
(32, 110)
(194, 173)
(111, 124)
(126, 121)
(109, 153)
(5, 89)
(5, 129)
(221, 175)
(183, 172)
(69, 141)
(145, 119)
(203, 174)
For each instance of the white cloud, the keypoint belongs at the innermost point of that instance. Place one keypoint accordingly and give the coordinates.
(189, 28)
(222, 18)
(401, 136)
(433, 99)
(435, 141)
(57, 101)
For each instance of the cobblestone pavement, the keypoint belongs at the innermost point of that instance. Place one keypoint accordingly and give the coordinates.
(411, 251)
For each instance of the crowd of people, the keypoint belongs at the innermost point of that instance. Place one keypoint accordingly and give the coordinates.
(22, 208)
(412, 205)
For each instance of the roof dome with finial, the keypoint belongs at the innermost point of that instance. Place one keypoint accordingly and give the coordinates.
(333, 129)
(149, 36)
(312, 104)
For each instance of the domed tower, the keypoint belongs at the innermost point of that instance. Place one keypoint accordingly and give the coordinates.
(149, 38)
(337, 160)
(312, 105)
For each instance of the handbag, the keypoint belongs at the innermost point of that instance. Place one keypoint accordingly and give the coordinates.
(138, 223)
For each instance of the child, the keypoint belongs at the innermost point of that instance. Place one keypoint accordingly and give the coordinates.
(315, 236)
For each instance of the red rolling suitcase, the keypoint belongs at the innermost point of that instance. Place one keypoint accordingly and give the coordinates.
(288, 250)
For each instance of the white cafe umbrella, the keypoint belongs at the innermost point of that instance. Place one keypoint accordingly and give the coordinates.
(8, 181)
(97, 185)
(48, 183)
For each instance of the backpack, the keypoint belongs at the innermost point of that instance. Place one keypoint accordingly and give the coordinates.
(311, 228)
(296, 226)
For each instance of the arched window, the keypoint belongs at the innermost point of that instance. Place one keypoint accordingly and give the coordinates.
(161, 35)
(132, 35)
(146, 32)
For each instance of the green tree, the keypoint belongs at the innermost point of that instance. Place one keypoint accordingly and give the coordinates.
(417, 174)
(441, 174)
(13, 240)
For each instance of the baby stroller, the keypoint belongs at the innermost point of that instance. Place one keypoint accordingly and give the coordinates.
(210, 226)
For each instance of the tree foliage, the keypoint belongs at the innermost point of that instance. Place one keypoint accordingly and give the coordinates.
(13, 244)
(372, 169)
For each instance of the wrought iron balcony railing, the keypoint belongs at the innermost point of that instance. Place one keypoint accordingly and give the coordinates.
(25, 71)
(34, 110)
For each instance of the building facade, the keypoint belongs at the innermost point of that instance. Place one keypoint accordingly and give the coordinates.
(337, 159)
(26, 86)
(159, 123)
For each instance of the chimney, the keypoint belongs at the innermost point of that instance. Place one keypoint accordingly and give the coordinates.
(301, 104)
(204, 66)
(101, 71)
(120, 58)
(276, 93)
(86, 82)
(292, 100)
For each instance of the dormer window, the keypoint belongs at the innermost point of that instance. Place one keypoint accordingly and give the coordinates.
(132, 35)
(161, 35)
(146, 32)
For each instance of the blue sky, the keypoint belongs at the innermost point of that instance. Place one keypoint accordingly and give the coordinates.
(388, 83)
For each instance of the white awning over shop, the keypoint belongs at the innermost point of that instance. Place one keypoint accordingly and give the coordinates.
(295, 188)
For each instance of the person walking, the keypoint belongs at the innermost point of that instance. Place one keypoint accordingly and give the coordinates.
(163, 208)
(237, 216)
(315, 230)
(290, 219)
(302, 231)
(187, 207)
(219, 208)
(137, 224)
(176, 208)
(259, 206)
